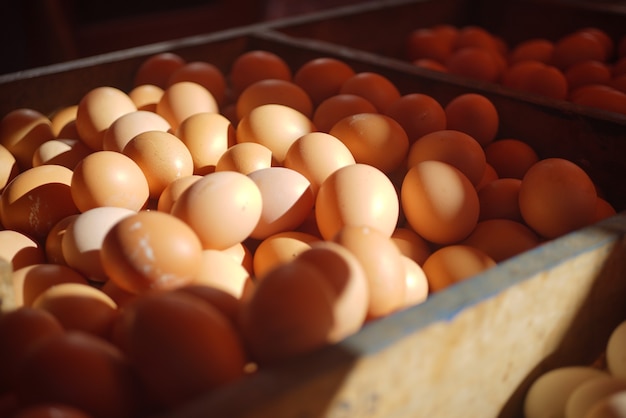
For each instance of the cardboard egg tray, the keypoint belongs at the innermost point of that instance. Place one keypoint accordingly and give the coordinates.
(473, 349)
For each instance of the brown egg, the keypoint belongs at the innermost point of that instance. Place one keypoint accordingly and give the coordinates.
(129, 125)
(439, 202)
(223, 208)
(19, 249)
(453, 147)
(274, 125)
(62, 118)
(162, 158)
(604, 210)
(120, 296)
(221, 270)
(146, 96)
(287, 200)
(488, 176)
(83, 237)
(376, 88)
(316, 156)
(475, 115)
(30, 281)
(510, 157)
(172, 192)
(274, 91)
(242, 254)
(280, 248)
(22, 131)
(207, 136)
(79, 307)
(252, 66)
(418, 114)
(97, 110)
(157, 69)
(373, 139)
(556, 197)
(204, 73)
(183, 99)
(416, 283)
(37, 199)
(501, 239)
(53, 244)
(357, 194)
(245, 158)
(8, 167)
(382, 262)
(337, 107)
(499, 199)
(411, 244)
(454, 263)
(322, 77)
(109, 178)
(151, 250)
(65, 152)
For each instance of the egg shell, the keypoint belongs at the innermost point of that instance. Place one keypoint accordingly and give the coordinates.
(452, 264)
(274, 125)
(146, 96)
(61, 118)
(322, 77)
(8, 167)
(221, 270)
(207, 136)
(223, 208)
(245, 158)
(615, 351)
(162, 158)
(79, 307)
(453, 147)
(22, 131)
(418, 114)
(97, 110)
(37, 199)
(82, 241)
(501, 239)
(109, 178)
(287, 200)
(383, 266)
(65, 152)
(32, 280)
(339, 106)
(172, 192)
(588, 393)
(548, 394)
(183, 99)
(204, 73)
(556, 197)
(439, 202)
(317, 155)
(376, 88)
(151, 250)
(274, 91)
(20, 249)
(280, 248)
(242, 254)
(373, 139)
(53, 246)
(127, 126)
(357, 194)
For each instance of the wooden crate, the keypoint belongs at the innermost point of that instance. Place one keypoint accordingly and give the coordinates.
(471, 350)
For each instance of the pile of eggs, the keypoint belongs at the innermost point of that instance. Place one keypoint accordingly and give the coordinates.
(586, 67)
(174, 238)
(583, 391)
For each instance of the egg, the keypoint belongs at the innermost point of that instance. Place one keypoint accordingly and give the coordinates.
(474, 114)
(151, 250)
(510, 157)
(245, 157)
(79, 307)
(588, 393)
(411, 244)
(255, 65)
(375, 87)
(22, 131)
(127, 126)
(172, 192)
(242, 253)
(499, 199)
(287, 200)
(146, 96)
(82, 241)
(418, 114)
(183, 99)
(453, 264)
(223, 208)
(416, 283)
(157, 69)
(223, 301)
(453, 147)
(37, 199)
(53, 246)
(32, 280)
(280, 248)
(358, 195)
(274, 91)
(162, 158)
(109, 178)
(221, 270)
(615, 349)
(203, 73)
(613, 406)
(501, 239)
(97, 110)
(207, 136)
(65, 152)
(62, 118)
(322, 77)
(373, 139)
(20, 249)
(488, 176)
(333, 109)
(8, 167)
(556, 197)
(275, 126)
(439, 202)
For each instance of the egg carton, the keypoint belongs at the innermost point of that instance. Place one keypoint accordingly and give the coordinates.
(471, 350)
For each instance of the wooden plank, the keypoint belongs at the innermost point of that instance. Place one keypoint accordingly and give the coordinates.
(470, 351)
